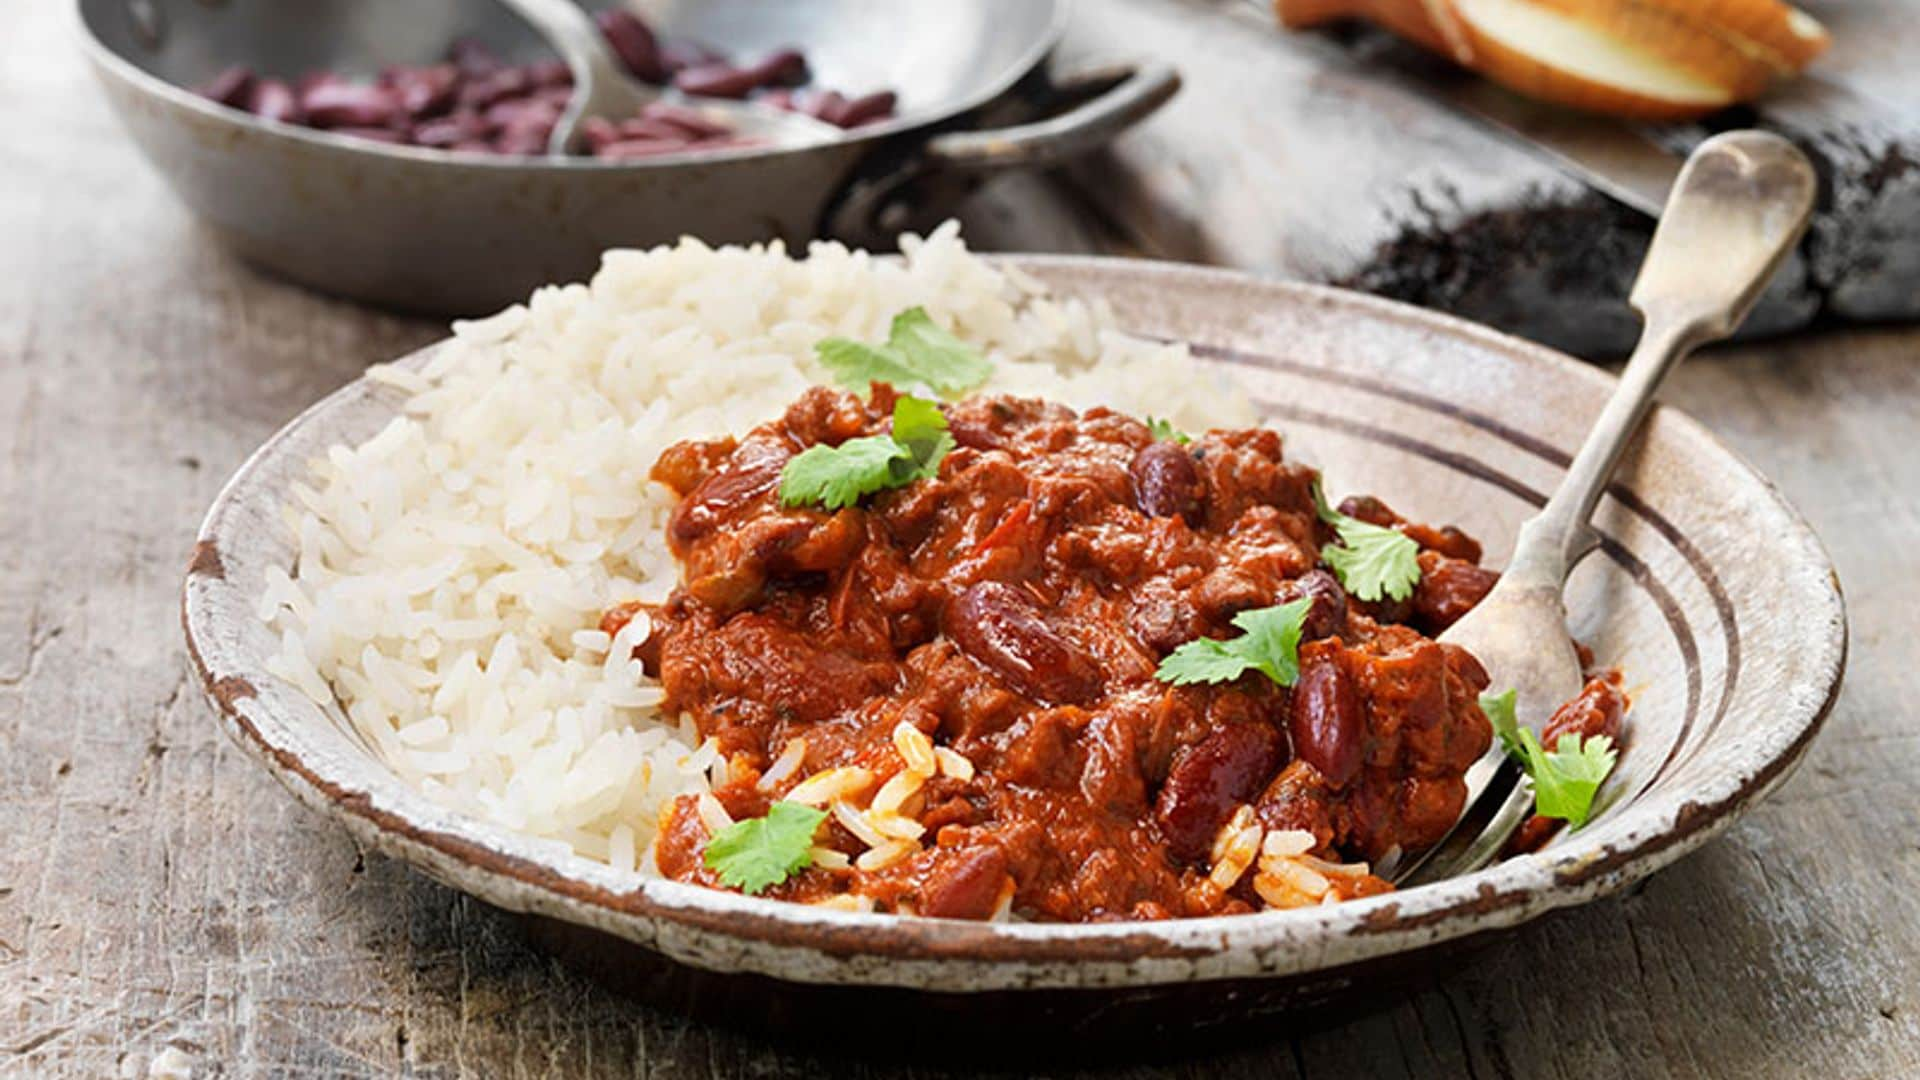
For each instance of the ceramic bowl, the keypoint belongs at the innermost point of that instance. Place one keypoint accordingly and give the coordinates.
(1709, 591)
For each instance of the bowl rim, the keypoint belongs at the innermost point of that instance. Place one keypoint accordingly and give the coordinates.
(491, 861)
(110, 62)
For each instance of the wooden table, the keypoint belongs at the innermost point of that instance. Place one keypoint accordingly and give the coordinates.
(160, 897)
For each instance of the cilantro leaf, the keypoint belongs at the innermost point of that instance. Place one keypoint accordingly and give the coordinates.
(917, 353)
(754, 854)
(1566, 778)
(1574, 771)
(1269, 643)
(1164, 430)
(1372, 561)
(919, 427)
(839, 476)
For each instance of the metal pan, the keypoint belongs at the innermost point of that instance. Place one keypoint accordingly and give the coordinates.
(445, 233)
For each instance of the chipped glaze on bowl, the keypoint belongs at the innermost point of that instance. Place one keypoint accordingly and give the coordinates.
(1709, 591)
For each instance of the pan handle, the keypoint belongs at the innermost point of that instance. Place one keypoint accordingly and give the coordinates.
(1131, 94)
(914, 186)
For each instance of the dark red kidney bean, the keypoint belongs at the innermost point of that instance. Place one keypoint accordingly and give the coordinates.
(691, 121)
(331, 105)
(657, 130)
(863, 110)
(965, 884)
(634, 42)
(231, 87)
(1327, 617)
(753, 471)
(525, 140)
(557, 96)
(474, 59)
(1324, 715)
(443, 134)
(822, 104)
(274, 100)
(717, 80)
(1220, 772)
(306, 84)
(598, 132)
(1165, 481)
(782, 67)
(502, 84)
(521, 112)
(550, 73)
(996, 625)
(426, 91)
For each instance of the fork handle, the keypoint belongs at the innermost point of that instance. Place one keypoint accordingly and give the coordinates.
(1737, 209)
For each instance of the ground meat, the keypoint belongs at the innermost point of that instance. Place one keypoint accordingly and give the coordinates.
(1014, 608)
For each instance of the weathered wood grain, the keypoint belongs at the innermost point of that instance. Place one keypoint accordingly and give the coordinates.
(1327, 156)
(159, 896)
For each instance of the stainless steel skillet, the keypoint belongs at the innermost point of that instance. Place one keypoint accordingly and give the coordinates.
(447, 233)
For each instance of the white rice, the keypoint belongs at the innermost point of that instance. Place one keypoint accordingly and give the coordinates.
(453, 568)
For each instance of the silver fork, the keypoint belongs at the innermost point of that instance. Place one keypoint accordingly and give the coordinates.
(1738, 207)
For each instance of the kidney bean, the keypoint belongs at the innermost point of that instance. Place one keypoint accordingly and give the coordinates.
(1208, 780)
(426, 91)
(821, 104)
(307, 83)
(342, 105)
(657, 130)
(550, 73)
(599, 133)
(522, 112)
(965, 884)
(717, 80)
(782, 67)
(691, 121)
(231, 87)
(634, 42)
(993, 623)
(1165, 481)
(1324, 715)
(1327, 617)
(274, 100)
(524, 139)
(502, 84)
(445, 133)
(867, 109)
(1448, 589)
(779, 98)
(753, 471)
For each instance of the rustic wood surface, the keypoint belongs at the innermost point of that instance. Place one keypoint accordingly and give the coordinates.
(162, 902)
(1336, 156)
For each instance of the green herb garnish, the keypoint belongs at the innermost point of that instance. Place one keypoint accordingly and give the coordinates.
(1566, 778)
(1269, 643)
(757, 853)
(1163, 430)
(1372, 561)
(917, 353)
(838, 476)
